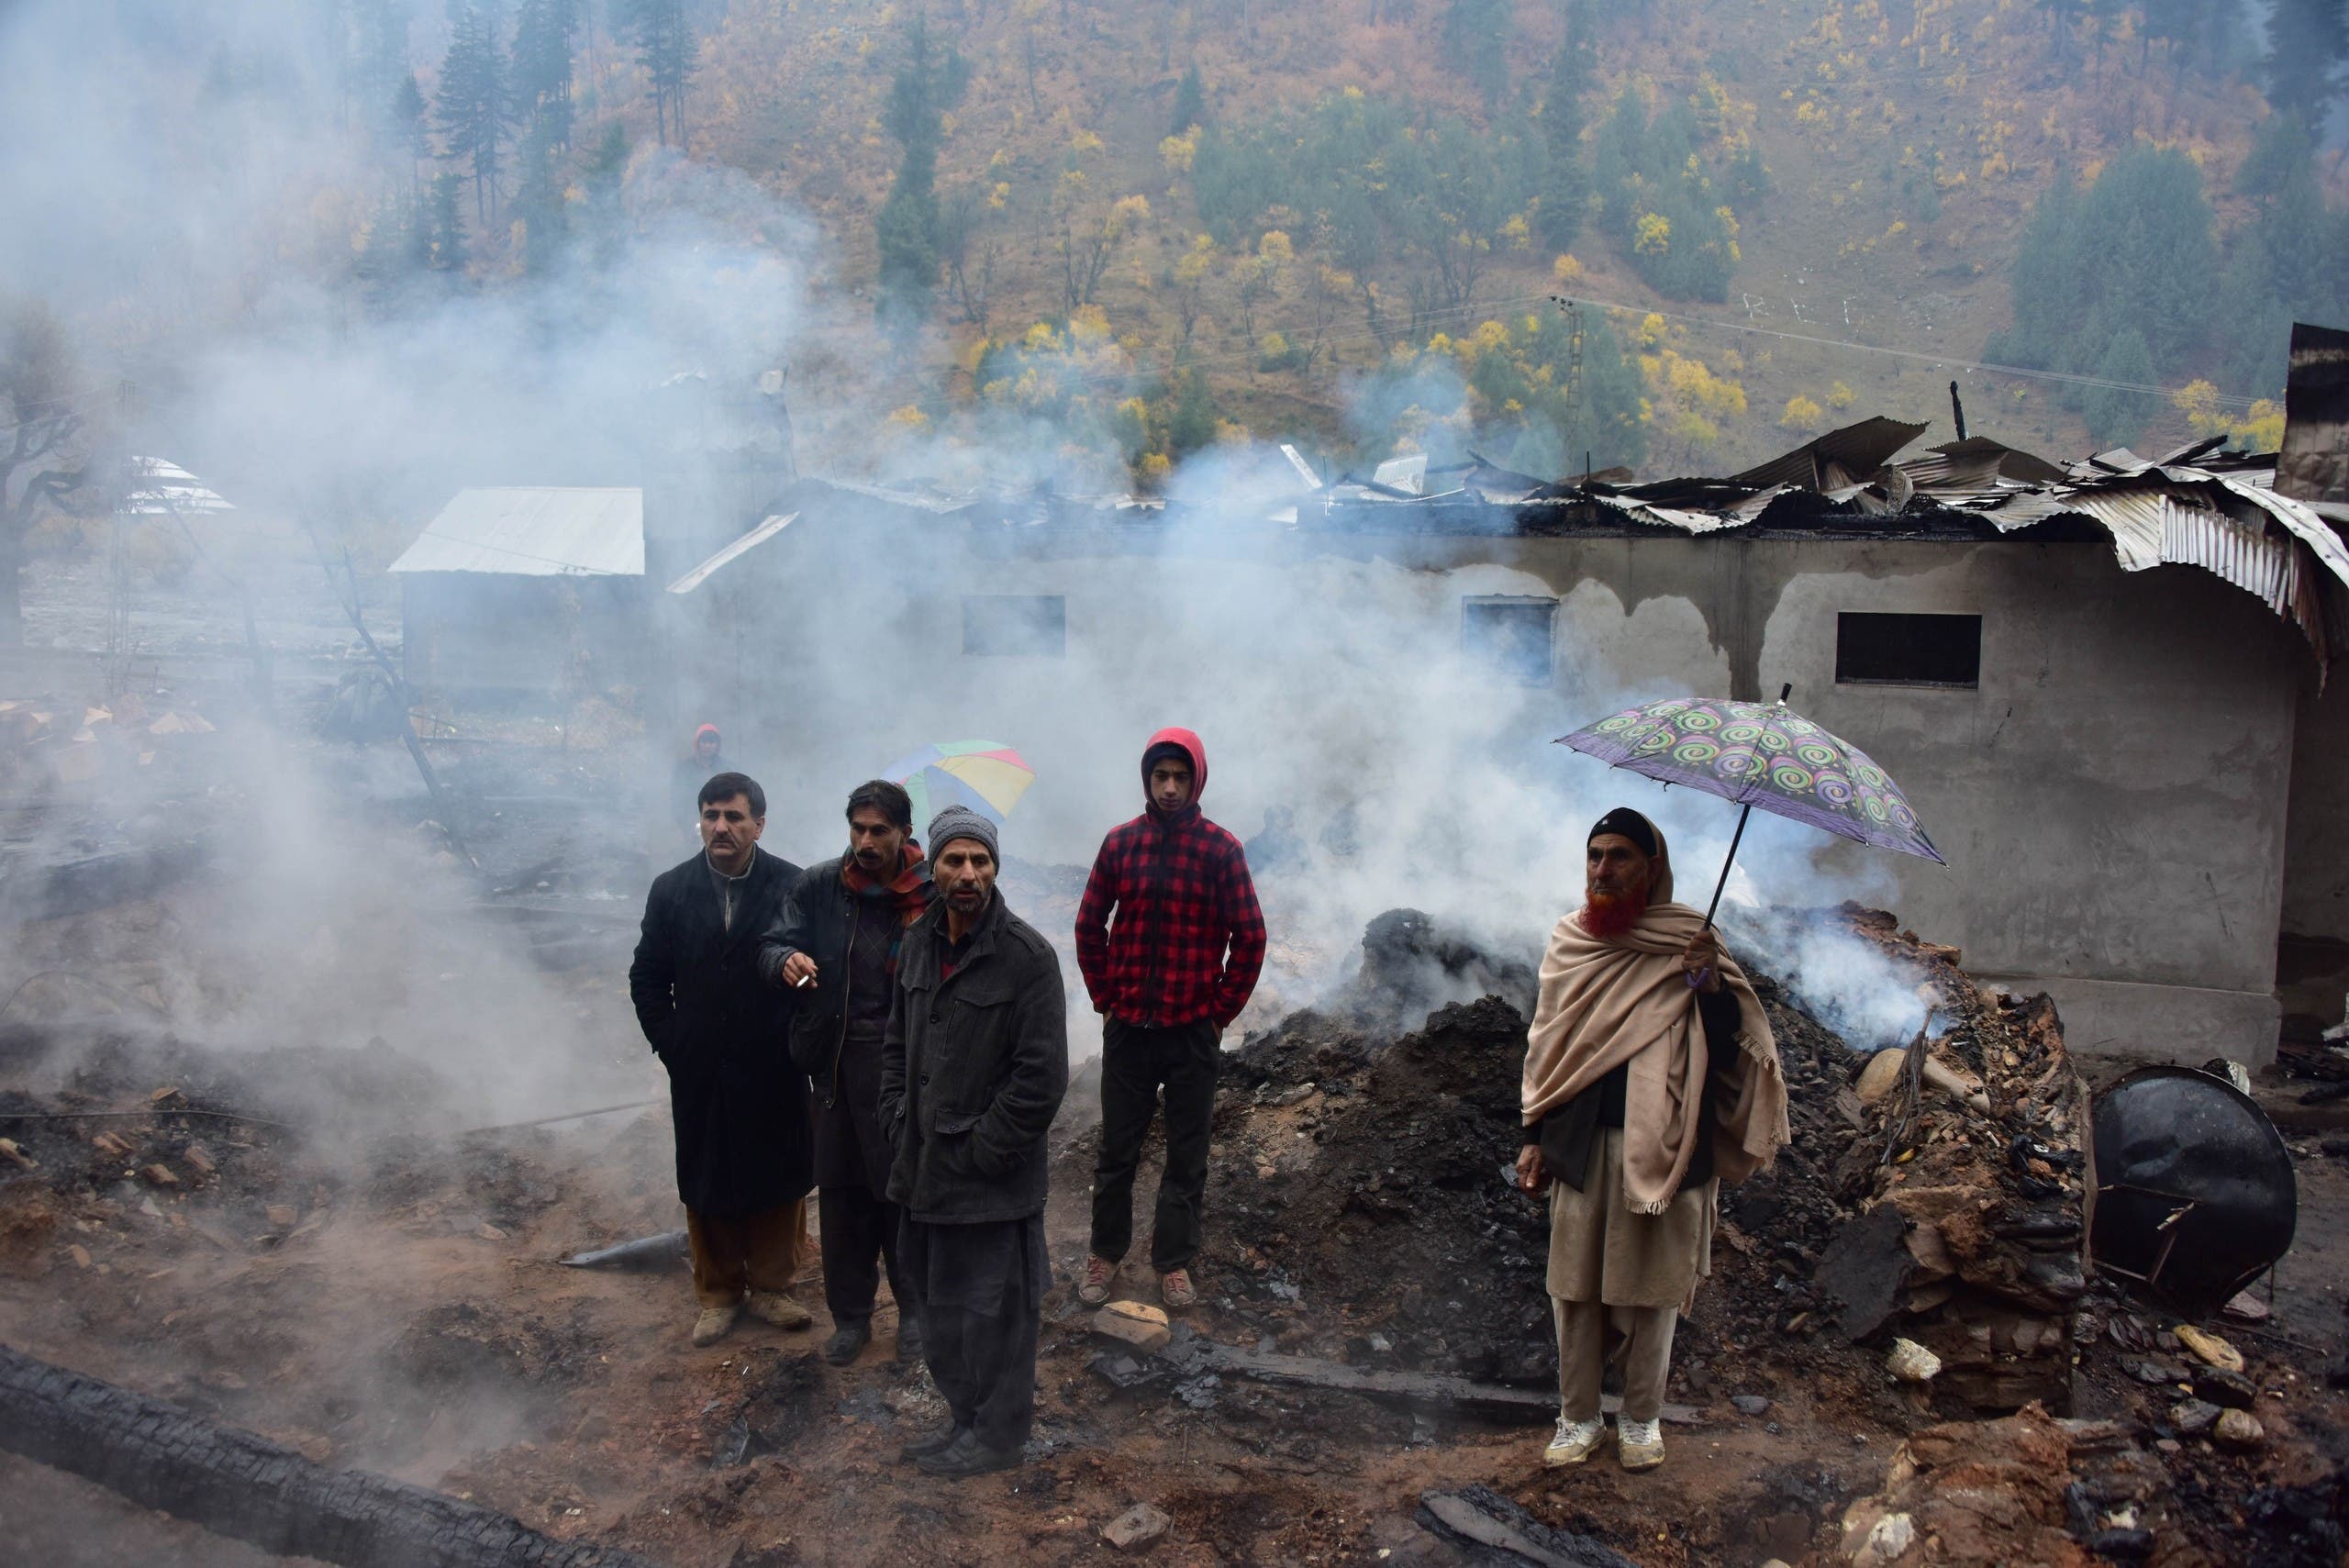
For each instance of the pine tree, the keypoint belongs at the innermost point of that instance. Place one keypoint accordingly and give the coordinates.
(2280, 149)
(2307, 41)
(920, 93)
(602, 216)
(398, 248)
(666, 48)
(539, 199)
(2116, 417)
(1476, 37)
(2281, 269)
(412, 123)
(472, 107)
(1190, 103)
(445, 224)
(380, 66)
(544, 36)
(2049, 285)
(1566, 185)
(1192, 424)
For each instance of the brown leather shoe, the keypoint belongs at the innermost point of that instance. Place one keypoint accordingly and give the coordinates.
(1101, 1275)
(714, 1324)
(774, 1307)
(1175, 1287)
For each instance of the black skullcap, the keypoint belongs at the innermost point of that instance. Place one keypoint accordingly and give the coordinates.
(1630, 825)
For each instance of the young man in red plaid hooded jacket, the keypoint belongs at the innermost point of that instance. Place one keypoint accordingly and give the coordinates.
(1167, 975)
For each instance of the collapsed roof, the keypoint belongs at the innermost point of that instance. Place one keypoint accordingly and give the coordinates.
(2200, 505)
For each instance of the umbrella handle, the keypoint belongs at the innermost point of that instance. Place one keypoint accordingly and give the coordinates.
(1734, 840)
(1696, 980)
(1785, 691)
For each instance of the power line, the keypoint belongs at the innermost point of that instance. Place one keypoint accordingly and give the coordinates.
(1937, 360)
(1493, 308)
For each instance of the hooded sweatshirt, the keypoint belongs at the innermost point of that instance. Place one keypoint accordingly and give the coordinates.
(1169, 932)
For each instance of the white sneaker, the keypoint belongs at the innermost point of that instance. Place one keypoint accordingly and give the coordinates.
(1574, 1441)
(1638, 1444)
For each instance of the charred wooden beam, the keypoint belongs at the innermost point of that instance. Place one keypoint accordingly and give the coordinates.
(239, 1484)
(1424, 1390)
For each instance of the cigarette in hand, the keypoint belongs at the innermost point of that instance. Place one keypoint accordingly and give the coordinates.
(802, 983)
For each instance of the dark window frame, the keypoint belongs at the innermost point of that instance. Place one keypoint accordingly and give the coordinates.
(994, 627)
(1491, 651)
(1931, 649)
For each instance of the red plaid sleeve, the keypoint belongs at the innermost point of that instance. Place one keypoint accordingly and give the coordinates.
(1092, 925)
(1244, 923)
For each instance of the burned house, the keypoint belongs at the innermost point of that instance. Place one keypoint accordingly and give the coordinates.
(2102, 683)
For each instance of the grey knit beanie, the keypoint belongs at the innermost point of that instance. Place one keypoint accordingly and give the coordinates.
(960, 822)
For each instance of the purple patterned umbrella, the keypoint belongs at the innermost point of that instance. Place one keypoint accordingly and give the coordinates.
(1761, 754)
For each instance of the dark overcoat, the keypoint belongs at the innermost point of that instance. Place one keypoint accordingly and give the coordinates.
(973, 1070)
(740, 1106)
(817, 917)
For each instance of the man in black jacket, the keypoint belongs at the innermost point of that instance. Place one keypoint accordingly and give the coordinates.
(739, 1105)
(834, 947)
(973, 1067)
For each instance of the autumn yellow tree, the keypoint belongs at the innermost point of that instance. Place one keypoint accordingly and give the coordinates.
(1257, 278)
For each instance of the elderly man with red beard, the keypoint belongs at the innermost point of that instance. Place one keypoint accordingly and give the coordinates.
(1651, 1076)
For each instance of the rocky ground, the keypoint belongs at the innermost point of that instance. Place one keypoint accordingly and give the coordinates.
(392, 1301)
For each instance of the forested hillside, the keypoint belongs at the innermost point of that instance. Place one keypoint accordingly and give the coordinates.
(1118, 231)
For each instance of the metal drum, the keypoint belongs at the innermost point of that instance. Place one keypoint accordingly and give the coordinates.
(2192, 1190)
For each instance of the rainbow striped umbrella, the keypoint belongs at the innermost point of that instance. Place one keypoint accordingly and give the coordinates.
(986, 775)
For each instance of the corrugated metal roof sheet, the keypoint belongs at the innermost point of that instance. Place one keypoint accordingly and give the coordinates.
(741, 546)
(534, 531)
(1839, 457)
(161, 488)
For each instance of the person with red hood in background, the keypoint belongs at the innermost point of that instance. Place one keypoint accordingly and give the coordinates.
(701, 763)
(1167, 977)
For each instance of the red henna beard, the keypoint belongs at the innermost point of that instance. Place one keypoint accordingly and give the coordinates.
(1611, 914)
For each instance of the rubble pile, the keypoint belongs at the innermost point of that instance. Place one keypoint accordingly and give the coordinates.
(1971, 1492)
(1967, 1174)
(1365, 1187)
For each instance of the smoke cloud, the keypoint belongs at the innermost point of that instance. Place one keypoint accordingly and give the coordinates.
(196, 226)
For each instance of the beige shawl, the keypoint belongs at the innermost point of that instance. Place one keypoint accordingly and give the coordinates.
(1608, 1001)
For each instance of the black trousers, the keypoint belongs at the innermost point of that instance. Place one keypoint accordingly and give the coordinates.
(1136, 1064)
(859, 1237)
(982, 1291)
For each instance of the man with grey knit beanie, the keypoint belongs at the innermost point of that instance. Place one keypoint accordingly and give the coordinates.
(972, 1069)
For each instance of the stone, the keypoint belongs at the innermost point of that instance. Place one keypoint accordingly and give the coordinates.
(200, 1157)
(2229, 1390)
(1137, 1528)
(2193, 1417)
(2210, 1349)
(1749, 1403)
(282, 1215)
(162, 1175)
(2245, 1308)
(1911, 1363)
(1134, 1323)
(1891, 1536)
(2240, 1431)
